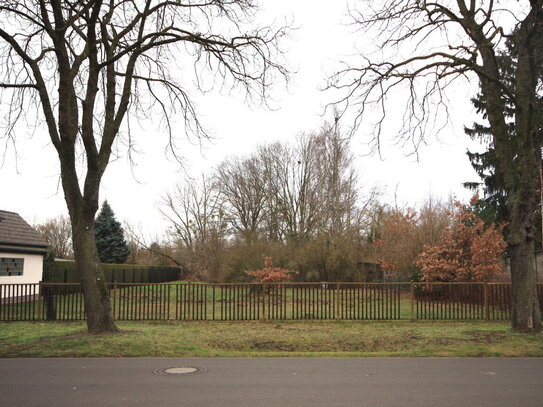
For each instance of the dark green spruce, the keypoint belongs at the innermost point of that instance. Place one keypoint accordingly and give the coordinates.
(110, 241)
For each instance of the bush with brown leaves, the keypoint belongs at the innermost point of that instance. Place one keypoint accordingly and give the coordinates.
(270, 274)
(468, 251)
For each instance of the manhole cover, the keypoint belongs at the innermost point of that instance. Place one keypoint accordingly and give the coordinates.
(182, 370)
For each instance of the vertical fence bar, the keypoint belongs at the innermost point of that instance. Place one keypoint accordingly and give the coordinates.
(380, 301)
(337, 312)
(40, 301)
(486, 305)
(228, 303)
(204, 301)
(245, 303)
(222, 303)
(14, 301)
(263, 286)
(213, 302)
(141, 301)
(178, 307)
(388, 301)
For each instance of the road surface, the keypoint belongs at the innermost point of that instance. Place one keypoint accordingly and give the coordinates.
(300, 382)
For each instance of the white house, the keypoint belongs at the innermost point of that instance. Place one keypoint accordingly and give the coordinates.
(22, 251)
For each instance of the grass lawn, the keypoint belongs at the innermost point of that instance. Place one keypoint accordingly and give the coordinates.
(272, 338)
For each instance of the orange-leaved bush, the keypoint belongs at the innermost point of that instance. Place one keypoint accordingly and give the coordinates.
(468, 251)
(270, 274)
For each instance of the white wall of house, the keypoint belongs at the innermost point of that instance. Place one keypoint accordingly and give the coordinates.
(32, 270)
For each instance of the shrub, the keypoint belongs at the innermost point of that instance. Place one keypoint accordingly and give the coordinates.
(270, 274)
(468, 251)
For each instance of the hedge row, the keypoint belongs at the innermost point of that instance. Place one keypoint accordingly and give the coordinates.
(65, 272)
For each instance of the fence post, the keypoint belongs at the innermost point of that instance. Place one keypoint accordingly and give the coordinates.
(113, 297)
(40, 301)
(486, 305)
(190, 302)
(337, 301)
(264, 301)
(412, 288)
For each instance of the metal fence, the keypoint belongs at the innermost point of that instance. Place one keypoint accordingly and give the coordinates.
(278, 301)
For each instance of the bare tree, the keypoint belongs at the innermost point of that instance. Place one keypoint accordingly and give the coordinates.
(339, 193)
(196, 215)
(292, 186)
(445, 40)
(58, 233)
(243, 186)
(89, 64)
(311, 186)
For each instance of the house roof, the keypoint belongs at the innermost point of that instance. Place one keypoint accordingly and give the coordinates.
(16, 234)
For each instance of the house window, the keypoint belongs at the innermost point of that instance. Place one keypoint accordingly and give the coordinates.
(11, 266)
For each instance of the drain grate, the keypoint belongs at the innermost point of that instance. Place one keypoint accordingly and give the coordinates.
(180, 370)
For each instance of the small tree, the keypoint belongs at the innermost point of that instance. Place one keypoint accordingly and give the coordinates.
(398, 236)
(468, 251)
(110, 241)
(270, 274)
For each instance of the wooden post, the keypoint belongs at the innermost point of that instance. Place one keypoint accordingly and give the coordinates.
(412, 301)
(486, 306)
(337, 301)
(113, 298)
(264, 301)
(189, 301)
(213, 298)
(40, 301)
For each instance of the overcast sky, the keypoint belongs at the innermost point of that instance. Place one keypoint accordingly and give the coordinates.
(32, 187)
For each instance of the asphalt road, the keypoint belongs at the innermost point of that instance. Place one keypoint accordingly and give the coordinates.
(300, 382)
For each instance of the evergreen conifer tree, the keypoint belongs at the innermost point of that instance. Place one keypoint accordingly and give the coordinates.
(110, 241)
(492, 208)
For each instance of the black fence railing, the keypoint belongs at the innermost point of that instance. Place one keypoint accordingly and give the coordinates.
(252, 301)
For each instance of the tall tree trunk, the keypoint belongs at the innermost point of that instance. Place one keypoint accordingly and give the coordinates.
(526, 314)
(522, 201)
(524, 183)
(91, 275)
(82, 209)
